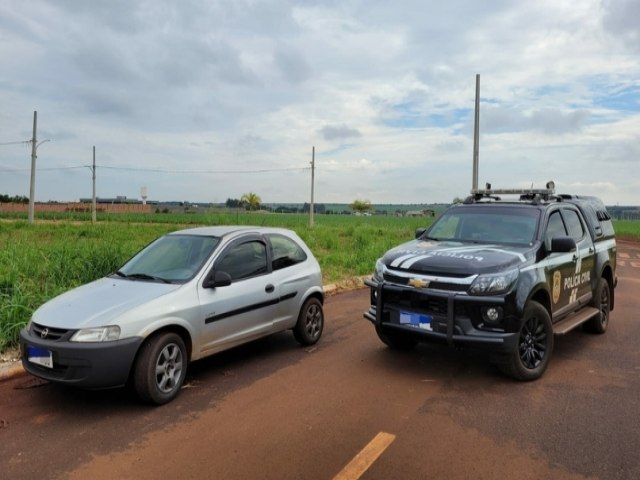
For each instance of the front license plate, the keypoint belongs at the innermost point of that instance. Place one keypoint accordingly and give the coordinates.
(41, 356)
(416, 319)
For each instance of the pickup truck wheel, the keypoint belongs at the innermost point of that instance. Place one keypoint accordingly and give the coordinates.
(531, 356)
(160, 368)
(602, 301)
(395, 340)
(310, 323)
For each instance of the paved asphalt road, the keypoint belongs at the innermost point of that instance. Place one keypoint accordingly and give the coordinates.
(274, 410)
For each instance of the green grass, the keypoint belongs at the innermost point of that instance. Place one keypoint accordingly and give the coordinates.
(627, 229)
(40, 261)
(62, 251)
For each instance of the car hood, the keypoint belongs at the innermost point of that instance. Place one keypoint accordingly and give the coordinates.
(98, 303)
(455, 258)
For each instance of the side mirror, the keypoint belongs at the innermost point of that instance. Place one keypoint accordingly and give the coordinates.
(420, 232)
(563, 244)
(216, 279)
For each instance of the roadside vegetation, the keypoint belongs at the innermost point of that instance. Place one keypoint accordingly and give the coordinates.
(40, 261)
(62, 251)
(627, 229)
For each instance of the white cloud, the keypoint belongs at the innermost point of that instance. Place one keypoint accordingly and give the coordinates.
(384, 91)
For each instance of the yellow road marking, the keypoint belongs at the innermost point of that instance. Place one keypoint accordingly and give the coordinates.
(363, 460)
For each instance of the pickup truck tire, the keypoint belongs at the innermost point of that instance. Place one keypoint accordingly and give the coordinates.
(160, 368)
(602, 301)
(310, 322)
(395, 340)
(531, 356)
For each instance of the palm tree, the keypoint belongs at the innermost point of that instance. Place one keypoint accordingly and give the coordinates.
(251, 200)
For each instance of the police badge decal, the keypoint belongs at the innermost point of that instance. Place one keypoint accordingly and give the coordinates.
(557, 278)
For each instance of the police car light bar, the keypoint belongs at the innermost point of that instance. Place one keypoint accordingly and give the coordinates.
(550, 190)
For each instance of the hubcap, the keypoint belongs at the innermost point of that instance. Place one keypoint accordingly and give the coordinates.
(169, 368)
(313, 321)
(604, 307)
(532, 343)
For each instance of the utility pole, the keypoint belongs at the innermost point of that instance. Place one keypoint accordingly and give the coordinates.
(476, 135)
(32, 187)
(313, 167)
(93, 197)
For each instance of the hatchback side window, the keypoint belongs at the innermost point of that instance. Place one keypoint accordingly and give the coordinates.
(576, 231)
(285, 252)
(245, 260)
(555, 227)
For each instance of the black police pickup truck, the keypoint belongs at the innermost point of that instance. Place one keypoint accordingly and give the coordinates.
(504, 275)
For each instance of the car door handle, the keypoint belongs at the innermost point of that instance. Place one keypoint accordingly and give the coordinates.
(269, 288)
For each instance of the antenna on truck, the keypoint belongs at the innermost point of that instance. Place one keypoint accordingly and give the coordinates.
(476, 136)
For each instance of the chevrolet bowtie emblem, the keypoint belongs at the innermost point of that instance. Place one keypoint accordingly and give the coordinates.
(418, 283)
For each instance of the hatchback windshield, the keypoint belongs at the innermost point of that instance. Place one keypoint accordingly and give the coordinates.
(494, 225)
(172, 258)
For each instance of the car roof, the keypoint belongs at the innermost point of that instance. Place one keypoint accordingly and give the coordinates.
(225, 230)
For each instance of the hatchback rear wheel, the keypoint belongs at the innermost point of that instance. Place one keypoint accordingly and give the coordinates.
(310, 323)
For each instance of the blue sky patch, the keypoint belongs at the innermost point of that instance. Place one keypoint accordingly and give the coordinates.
(626, 99)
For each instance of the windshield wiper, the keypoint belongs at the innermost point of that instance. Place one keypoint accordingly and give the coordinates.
(120, 274)
(144, 276)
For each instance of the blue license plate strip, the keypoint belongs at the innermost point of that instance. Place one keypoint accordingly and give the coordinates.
(418, 320)
(40, 356)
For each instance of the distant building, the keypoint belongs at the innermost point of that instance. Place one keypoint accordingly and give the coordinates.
(120, 199)
(420, 213)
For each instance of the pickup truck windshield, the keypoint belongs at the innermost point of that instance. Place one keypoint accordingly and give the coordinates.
(495, 224)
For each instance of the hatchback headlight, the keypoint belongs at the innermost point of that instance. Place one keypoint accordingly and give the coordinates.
(100, 334)
(492, 283)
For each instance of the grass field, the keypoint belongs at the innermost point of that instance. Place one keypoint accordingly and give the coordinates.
(627, 229)
(40, 261)
(61, 251)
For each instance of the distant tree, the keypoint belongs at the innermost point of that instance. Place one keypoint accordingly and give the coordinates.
(233, 203)
(251, 201)
(361, 206)
(15, 199)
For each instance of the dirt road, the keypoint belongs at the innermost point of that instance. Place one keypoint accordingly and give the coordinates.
(274, 410)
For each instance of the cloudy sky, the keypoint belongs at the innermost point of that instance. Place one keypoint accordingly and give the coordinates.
(205, 100)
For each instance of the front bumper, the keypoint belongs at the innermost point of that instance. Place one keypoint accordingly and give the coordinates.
(85, 365)
(449, 323)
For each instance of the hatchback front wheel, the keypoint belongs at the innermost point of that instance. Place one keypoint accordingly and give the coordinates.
(160, 368)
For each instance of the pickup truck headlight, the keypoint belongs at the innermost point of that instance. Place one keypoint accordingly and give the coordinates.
(378, 274)
(492, 283)
(100, 334)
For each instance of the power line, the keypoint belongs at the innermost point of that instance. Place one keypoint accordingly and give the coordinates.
(3, 169)
(23, 142)
(158, 170)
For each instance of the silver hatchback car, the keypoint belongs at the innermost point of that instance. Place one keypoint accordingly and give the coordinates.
(185, 296)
